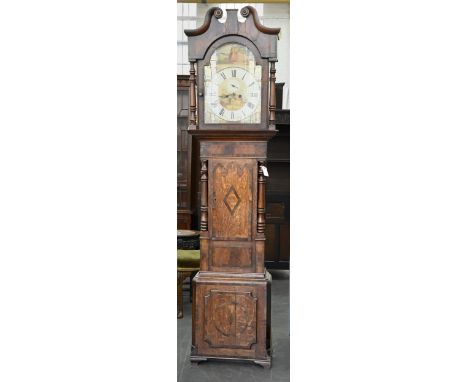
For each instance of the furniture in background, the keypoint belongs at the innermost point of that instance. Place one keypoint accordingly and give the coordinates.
(277, 195)
(188, 239)
(188, 262)
(184, 154)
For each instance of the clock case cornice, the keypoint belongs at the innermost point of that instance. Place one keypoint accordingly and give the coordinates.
(202, 41)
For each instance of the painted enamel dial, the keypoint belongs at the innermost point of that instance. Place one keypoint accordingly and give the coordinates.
(232, 86)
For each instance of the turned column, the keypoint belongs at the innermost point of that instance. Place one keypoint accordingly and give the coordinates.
(261, 199)
(192, 99)
(272, 105)
(204, 196)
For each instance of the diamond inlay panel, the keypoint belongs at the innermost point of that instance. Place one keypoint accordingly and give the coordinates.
(232, 200)
(231, 203)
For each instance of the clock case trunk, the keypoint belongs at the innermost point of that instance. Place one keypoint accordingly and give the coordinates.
(231, 312)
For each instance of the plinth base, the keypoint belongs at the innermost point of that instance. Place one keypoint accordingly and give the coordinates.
(231, 319)
(266, 364)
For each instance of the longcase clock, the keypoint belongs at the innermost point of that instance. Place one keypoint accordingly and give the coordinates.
(232, 114)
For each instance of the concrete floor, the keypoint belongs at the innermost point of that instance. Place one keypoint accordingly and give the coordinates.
(214, 371)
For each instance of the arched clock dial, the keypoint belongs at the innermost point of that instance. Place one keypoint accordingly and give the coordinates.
(232, 86)
(233, 94)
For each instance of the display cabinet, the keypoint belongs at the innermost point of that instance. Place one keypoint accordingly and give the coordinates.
(184, 153)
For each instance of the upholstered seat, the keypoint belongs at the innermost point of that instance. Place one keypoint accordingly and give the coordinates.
(188, 263)
(188, 259)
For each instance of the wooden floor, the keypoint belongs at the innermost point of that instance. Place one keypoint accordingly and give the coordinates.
(236, 371)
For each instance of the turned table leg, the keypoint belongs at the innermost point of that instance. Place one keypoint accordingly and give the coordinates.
(181, 276)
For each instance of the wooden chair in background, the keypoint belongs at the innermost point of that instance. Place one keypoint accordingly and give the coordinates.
(188, 262)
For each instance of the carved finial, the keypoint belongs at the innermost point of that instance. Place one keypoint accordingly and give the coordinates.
(249, 10)
(218, 13)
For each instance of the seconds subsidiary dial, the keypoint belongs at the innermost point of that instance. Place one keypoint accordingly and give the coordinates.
(233, 95)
